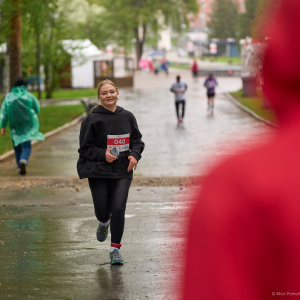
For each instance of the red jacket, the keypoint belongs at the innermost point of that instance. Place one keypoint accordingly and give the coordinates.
(244, 234)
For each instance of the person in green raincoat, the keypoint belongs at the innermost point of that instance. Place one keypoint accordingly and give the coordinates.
(19, 110)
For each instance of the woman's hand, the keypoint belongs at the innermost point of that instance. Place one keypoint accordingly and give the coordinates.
(109, 157)
(132, 163)
(3, 131)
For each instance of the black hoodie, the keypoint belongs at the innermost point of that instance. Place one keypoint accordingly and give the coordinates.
(94, 132)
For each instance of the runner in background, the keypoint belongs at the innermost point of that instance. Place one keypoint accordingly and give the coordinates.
(179, 88)
(165, 66)
(109, 174)
(195, 70)
(210, 84)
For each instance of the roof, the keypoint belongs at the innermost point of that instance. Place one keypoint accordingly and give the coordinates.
(81, 48)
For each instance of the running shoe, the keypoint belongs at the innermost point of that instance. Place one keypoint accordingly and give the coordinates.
(23, 164)
(102, 232)
(115, 257)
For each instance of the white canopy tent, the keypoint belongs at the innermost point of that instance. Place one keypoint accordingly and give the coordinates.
(83, 53)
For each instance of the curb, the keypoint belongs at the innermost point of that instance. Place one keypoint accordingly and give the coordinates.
(11, 153)
(249, 111)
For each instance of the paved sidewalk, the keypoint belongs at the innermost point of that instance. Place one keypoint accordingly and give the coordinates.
(48, 246)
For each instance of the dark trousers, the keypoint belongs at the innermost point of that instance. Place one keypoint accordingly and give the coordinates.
(182, 104)
(110, 197)
(22, 151)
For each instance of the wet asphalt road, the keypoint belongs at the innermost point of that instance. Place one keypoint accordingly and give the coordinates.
(48, 248)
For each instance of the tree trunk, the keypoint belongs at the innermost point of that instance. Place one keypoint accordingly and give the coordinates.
(15, 43)
(6, 72)
(48, 65)
(48, 83)
(139, 43)
(38, 55)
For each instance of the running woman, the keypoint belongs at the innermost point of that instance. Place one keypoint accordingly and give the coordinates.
(210, 84)
(179, 88)
(109, 126)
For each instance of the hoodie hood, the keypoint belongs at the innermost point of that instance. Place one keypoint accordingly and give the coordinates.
(281, 68)
(19, 90)
(102, 110)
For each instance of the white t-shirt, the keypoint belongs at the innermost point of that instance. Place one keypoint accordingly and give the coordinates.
(179, 86)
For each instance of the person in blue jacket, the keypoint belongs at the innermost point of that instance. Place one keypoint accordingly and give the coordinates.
(109, 127)
(19, 111)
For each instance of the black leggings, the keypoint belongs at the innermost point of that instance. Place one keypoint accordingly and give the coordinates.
(110, 197)
(177, 103)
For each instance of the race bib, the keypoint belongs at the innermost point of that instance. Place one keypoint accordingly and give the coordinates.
(121, 141)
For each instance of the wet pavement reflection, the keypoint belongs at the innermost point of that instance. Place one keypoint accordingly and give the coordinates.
(49, 250)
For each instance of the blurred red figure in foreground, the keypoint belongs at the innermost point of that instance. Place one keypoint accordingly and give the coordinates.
(244, 235)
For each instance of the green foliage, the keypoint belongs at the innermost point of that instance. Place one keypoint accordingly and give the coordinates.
(265, 12)
(43, 29)
(258, 14)
(51, 117)
(246, 19)
(224, 19)
(142, 19)
(86, 20)
(122, 23)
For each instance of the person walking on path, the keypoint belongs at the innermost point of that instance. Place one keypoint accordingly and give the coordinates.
(245, 225)
(19, 111)
(195, 70)
(179, 88)
(165, 66)
(110, 148)
(210, 84)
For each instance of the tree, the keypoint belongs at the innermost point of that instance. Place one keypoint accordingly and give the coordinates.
(36, 40)
(265, 12)
(132, 20)
(224, 19)
(86, 20)
(14, 46)
(246, 19)
(45, 28)
(258, 13)
(37, 12)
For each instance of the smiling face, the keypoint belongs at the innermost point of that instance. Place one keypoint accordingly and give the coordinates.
(108, 96)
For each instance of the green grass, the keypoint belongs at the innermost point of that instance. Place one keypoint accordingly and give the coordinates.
(70, 93)
(183, 66)
(256, 105)
(67, 94)
(224, 59)
(186, 66)
(51, 117)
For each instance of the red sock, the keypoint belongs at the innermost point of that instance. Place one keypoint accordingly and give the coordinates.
(116, 245)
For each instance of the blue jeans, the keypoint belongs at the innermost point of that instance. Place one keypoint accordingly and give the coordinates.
(22, 151)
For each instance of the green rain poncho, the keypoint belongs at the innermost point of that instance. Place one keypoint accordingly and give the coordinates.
(19, 110)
